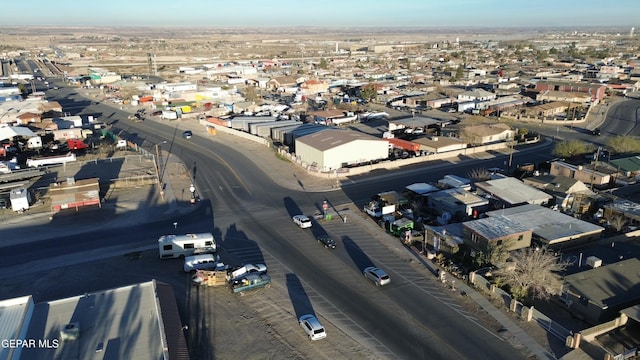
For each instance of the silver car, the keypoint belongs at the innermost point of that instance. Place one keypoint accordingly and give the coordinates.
(378, 276)
(312, 327)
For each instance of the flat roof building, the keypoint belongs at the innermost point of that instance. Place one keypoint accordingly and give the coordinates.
(139, 321)
(511, 191)
(551, 228)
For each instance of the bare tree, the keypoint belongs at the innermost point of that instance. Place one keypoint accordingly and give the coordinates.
(479, 174)
(617, 221)
(532, 273)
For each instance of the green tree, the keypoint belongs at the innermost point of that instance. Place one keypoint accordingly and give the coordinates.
(369, 92)
(522, 132)
(22, 88)
(459, 72)
(531, 273)
(323, 64)
(624, 144)
(571, 148)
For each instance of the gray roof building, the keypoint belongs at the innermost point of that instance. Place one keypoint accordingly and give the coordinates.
(139, 321)
(551, 228)
(512, 191)
(497, 230)
(599, 294)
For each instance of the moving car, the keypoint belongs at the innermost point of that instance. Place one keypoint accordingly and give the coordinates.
(327, 242)
(378, 276)
(312, 327)
(302, 220)
(596, 132)
(187, 134)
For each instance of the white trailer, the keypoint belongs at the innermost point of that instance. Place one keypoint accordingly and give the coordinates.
(51, 160)
(173, 246)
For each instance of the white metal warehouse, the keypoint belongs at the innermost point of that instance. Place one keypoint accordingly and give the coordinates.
(331, 149)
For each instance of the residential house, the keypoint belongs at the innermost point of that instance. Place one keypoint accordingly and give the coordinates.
(509, 191)
(595, 91)
(629, 166)
(28, 118)
(588, 174)
(439, 144)
(629, 210)
(486, 133)
(547, 110)
(457, 203)
(281, 83)
(445, 239)
(50, 106)
(498, 231)
(551, 229)
(597, 295)
(476, 95)
(572, 97)
(314, 86)
(569, 194)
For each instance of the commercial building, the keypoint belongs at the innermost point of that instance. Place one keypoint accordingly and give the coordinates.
(332, 149)
(139, 321)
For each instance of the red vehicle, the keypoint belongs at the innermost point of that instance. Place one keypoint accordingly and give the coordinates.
(76, 144)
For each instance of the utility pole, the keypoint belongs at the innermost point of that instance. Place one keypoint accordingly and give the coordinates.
(595, 168)
(511, 152)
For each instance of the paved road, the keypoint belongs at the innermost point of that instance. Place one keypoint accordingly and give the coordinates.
(251, 214)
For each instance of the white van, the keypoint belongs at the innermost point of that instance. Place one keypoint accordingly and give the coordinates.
(200, 262)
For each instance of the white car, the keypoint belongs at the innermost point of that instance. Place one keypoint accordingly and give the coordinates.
(378, 276)
(302, 220)
(312, 327)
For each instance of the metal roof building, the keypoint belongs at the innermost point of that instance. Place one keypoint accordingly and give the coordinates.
(512, 191)
(139, 321)
(551, 228)
(333, 149)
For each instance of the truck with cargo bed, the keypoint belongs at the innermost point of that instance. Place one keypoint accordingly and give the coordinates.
(251, 282)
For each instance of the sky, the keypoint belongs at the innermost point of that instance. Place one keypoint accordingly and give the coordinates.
(322, 13)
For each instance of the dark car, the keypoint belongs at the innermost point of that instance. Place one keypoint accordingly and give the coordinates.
(328, 242)
(596, 132)
(187, 134)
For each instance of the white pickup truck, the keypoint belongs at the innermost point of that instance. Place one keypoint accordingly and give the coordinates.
(242, 271)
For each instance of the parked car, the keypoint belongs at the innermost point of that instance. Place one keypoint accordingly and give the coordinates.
(3, 204)
(378, 276)
(327, 242)
(238, 273)
(302, 220)
(187, 134)
(312, 327)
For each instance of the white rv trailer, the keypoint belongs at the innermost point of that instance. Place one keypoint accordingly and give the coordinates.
(173, 246)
